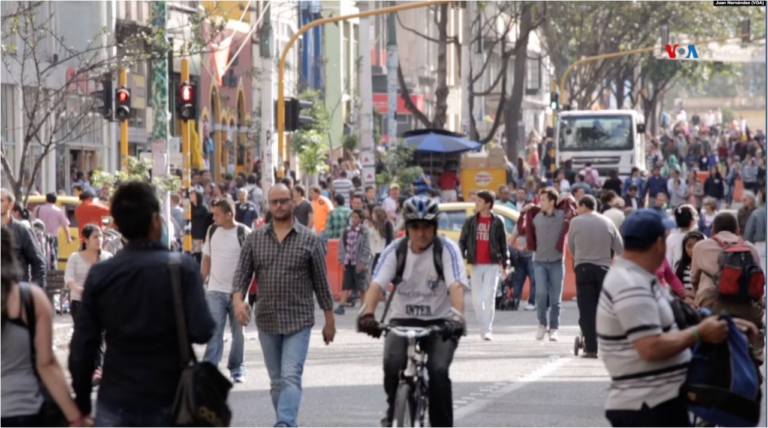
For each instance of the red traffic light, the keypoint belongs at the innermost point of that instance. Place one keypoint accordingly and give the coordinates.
(122, 95)
(186, 93)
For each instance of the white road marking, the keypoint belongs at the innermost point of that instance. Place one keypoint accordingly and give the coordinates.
(481, 403)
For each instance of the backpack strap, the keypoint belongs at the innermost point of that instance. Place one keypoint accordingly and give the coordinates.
(401, 253)
(437, 254)
(240, 234)
(28, 303)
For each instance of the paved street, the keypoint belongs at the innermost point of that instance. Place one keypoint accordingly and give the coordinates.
(512, 381)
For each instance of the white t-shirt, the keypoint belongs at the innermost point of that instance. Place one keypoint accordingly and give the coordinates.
(224, 258)
(675, 247)
(421, 295)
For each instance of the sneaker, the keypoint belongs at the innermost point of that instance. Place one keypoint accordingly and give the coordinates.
(590, 355)
(488, 337)
(542, 331)
(553, 335)
(530, 307)
(386, 422)
(339, 310)
(238, 378)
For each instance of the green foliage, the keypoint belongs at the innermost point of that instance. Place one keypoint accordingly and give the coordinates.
(399, 167)
(138, 170)
(312, 150)
(728, 115)
(376, 127)
(351, 142)
(309, 141)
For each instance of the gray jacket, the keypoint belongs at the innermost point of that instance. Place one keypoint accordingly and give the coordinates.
(28, 252)
(756, 226)
(363, 249)
(497, 239)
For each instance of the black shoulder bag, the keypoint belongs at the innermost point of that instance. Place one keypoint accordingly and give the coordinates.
(50, 413)
(201, 398)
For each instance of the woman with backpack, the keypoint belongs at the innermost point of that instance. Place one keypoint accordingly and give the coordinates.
(28, 362)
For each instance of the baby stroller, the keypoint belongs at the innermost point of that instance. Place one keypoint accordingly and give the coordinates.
(578, 344)
(505, 300)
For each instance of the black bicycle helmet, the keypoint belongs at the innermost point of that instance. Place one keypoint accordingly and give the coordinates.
(420, 208)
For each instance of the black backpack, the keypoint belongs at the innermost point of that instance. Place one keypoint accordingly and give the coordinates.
(241, 232)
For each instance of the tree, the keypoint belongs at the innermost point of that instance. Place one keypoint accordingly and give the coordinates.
(138, 170)
(583, 29)
(57, 110)
(498, 26)
(309, 141)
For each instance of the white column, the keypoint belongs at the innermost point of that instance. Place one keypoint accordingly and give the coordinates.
(366, 97)
(466, 70)
(268, 91)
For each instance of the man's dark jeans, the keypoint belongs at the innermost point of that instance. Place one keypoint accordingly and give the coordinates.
(108, 415)
(524, 269)
(589, 283)
(672, 413)
(440, 356)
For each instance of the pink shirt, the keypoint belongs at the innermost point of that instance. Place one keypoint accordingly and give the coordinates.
(667, 276)
(53, 217)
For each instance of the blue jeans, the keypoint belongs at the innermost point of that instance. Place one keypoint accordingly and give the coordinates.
(221, 307)
(523, 269)
(284, 356)
(549, 283)
(108, 415)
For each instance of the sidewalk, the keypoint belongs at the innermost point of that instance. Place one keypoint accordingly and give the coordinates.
(62, 331)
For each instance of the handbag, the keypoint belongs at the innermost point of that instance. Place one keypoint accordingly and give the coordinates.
(50, 413)
(201, 397)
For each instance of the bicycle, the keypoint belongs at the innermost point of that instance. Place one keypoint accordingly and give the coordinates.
(412, 397)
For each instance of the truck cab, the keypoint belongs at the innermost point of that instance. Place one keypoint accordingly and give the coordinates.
(608, 139)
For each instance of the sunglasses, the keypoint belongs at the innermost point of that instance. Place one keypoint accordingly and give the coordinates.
(281, 201)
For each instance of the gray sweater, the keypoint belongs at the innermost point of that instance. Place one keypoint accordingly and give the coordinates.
(548, 230)
(756, 226)
(591, 238)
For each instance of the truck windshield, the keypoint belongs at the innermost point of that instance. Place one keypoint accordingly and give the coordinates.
(593, 133)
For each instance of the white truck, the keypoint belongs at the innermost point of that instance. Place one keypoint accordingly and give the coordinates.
(608, 139)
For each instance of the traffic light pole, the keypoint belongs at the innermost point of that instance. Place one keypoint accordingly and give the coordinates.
(284, 56)
(160, 106)
(122, 81)
(185, 164)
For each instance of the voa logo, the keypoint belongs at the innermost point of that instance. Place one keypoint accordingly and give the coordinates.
(680, 51)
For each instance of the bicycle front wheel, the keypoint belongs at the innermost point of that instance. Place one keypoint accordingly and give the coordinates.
(405, 409)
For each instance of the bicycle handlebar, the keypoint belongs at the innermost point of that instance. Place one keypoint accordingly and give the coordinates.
(411, 332)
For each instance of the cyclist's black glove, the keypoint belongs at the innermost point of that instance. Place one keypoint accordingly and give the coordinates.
(367, 324)
(454, 328)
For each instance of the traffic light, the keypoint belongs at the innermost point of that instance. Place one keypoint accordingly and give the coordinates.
(293, 118)
(554, 100)
(105, 96)
(186, 101)
(122, 103)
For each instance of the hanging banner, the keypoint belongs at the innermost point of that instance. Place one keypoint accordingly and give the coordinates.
(221, 58)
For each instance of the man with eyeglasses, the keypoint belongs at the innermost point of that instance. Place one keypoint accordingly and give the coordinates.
(288, 261)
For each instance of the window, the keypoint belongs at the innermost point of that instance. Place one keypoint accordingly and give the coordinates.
(451, 220)
(591, 133)
(533, 74)
(7, 116)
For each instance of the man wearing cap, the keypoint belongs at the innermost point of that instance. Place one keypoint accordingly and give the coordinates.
(592, 238)
(89, 211)
(645, 353)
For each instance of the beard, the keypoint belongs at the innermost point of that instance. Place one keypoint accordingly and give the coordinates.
(282, 217)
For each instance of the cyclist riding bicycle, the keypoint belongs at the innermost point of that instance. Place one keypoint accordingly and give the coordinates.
(428, 291)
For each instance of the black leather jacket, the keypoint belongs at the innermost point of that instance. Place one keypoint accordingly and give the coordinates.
(28, 253)
(498, 240)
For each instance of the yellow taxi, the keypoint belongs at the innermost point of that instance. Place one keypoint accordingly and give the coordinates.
(453, 214)
(68, 204)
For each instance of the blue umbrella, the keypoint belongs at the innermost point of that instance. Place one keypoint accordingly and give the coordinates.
(439, 141)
